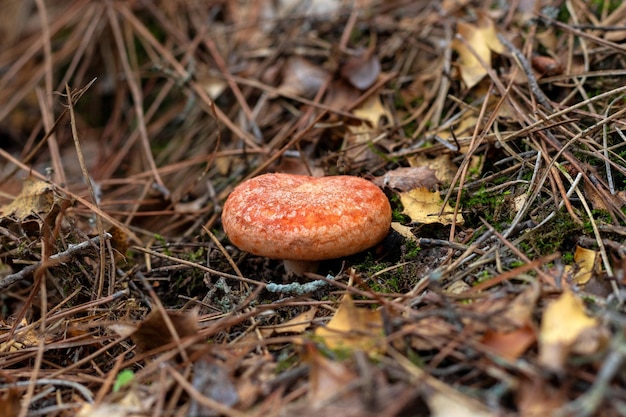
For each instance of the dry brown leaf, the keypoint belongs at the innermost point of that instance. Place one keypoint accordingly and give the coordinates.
(37, 197)
(456, 287)
(373, 111)
(518, 202)
(214, 86)
(546, 65)
(579, 333)
(510, 345)
(119, 242)
(327, 379)
(408, 178)
(301, 78)
(430, 333)
(519, 313)
(442, 165)
(598, 202)
(10, 403)
(463, 128)
(537, 398)
(423, 206)
(548, 39)
(353, 328)
(361, 70)
(152, 333)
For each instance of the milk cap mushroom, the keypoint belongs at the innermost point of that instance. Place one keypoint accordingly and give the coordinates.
(303, 220)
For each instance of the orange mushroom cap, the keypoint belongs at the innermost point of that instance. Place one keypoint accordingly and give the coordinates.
(301, 218)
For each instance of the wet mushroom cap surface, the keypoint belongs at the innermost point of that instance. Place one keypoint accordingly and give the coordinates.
(295, 217)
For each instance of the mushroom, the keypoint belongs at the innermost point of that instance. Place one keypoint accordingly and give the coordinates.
(303, 220)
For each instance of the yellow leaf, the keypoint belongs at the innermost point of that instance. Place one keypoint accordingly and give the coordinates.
(564, 322)
(372, 110)
(353, 328)
(404, 231)
(478, 42)
(585, 264)
(297, 324)
(423, 206)
(489, 33)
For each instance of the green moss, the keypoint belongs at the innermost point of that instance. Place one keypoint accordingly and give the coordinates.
(388, 282)
(487, 205)
(397, 209)
(285, 360)
(412, 250)
(599, 216)
(482, 277)
(555, 236)
(598, 6)
(568, 258)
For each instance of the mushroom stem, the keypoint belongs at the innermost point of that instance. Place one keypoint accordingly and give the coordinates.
(300, 267)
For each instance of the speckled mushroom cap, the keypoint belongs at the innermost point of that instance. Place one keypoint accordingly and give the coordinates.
(295, 217)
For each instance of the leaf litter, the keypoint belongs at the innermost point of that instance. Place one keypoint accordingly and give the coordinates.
(496, 131)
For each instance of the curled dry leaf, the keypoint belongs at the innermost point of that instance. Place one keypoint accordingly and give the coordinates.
(119, 242)
(301, 78)
(295, 325)
(586, 263)
(37, 197)
(408, 178)
(361, 70)
(442, 165)
(536, 397)
(546, 65)
(429, 333)
(510, 345)
(152, 333)
(404, 231)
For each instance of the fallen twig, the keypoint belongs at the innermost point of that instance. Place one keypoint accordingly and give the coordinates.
(61, 257)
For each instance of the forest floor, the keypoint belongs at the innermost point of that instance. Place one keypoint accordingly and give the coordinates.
(496, 130)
